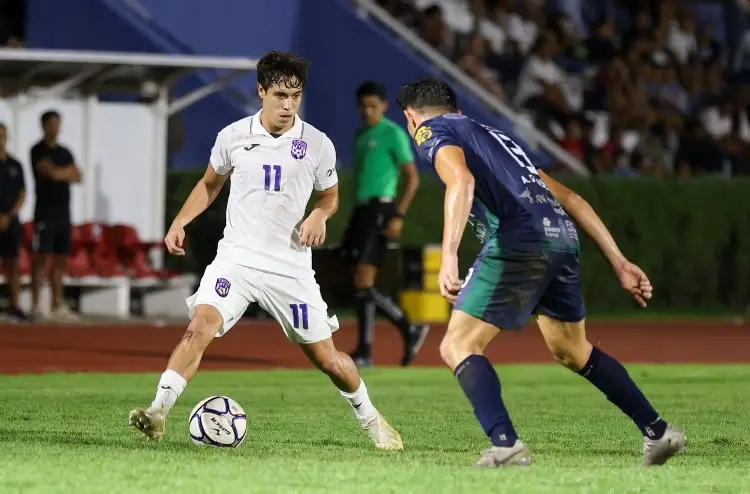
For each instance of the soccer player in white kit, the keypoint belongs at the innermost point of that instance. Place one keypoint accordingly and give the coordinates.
(275, 160)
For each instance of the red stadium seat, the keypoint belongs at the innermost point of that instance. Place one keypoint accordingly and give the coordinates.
(134, 252)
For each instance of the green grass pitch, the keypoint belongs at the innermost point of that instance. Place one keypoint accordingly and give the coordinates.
(68, 433)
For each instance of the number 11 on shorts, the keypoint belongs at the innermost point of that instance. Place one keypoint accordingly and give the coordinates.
(299, 311)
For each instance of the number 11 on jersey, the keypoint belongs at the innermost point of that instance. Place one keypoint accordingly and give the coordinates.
(272, 175)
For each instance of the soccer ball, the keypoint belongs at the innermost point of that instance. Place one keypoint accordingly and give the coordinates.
(218, 421)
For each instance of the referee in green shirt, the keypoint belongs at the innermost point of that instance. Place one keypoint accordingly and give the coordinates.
(382, 154)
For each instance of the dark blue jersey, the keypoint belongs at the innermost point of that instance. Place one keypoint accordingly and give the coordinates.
(513, 207)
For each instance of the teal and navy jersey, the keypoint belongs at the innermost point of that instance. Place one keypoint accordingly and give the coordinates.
(513, 208)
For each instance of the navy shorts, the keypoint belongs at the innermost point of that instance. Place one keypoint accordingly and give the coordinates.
(505, 287)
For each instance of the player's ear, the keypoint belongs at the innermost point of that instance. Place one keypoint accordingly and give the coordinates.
(385, 106)
(261, 91)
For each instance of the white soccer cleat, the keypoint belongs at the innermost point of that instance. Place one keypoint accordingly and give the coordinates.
(150, 421)
(657, 452)
(498, 456)
(63, 314)
(383, 435)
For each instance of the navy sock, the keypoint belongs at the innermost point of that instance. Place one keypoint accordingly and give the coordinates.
(365, 308)
(611, 378)
(482, 387)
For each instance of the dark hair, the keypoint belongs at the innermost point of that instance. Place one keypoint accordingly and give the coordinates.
(371, 88)
(427, 93)
(3, 126)
(279, 67)
(49, 115)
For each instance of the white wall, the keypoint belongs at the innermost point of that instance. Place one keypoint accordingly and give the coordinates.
(116, 158)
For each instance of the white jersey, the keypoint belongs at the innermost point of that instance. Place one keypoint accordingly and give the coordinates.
(271, 182)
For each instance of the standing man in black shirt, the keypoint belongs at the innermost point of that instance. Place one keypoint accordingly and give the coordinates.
(12, 196)
(54, 171)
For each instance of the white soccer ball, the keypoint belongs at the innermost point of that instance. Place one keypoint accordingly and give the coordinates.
(218, 421)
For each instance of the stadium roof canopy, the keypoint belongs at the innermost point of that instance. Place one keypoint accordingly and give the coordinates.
(53, 73)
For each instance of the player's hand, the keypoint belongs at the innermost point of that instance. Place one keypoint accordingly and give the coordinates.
(312, 233)
(450, 282)
(634, 280)
(175, 240)
(394, 228)
(4, 222)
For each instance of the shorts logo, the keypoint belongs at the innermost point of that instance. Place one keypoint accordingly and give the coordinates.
(299, 149)
(222, 287)
(422, 135)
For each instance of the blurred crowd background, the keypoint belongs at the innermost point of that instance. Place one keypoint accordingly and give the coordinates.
(632, 88)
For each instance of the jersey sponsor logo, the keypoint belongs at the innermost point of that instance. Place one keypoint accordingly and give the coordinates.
(422, 135)
(299, 149)
(251, 147)
(222, 287)
(329, 172)
(549, 230)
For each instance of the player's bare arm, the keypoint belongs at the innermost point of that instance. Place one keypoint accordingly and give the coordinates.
(201, 197)
(450, 164)
(632, 278)
(313, 229)
(70, 173)
(411, 184)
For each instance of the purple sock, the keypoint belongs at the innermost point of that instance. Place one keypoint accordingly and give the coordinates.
(482, 387)
(611, 378)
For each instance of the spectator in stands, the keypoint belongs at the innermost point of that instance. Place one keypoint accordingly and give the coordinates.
(540, 86)
(472, 61)
(681, 39)
(433, 30)
(741, 64)
(494, 27)
(12, 197)
(523, 26)
(708, 51)
(603, 46)
(54, 170)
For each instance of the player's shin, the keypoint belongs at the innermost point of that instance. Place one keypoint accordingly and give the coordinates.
(481, 385)
(612, 379)
(186, 357)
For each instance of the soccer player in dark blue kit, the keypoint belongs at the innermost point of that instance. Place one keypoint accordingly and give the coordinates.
(529, 265)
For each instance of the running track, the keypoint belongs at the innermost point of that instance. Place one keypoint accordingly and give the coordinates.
(261, 345)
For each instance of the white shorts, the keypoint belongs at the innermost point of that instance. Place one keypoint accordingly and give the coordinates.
(295, 303)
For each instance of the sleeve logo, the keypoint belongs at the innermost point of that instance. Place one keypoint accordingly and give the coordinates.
(422, 135)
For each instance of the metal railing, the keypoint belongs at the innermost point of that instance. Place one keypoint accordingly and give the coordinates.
(367, 8)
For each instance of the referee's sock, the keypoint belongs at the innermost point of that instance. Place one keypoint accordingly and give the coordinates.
(365, 309)
(391, 310)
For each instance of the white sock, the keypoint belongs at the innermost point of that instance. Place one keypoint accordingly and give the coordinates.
(171, 386)
(363, 408)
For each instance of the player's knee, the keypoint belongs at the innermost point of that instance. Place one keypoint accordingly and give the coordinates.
(455, 348)
(205, 323)
(571, 355)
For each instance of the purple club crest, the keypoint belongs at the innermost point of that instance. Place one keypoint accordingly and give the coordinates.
(222, 287)
(299, 149)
